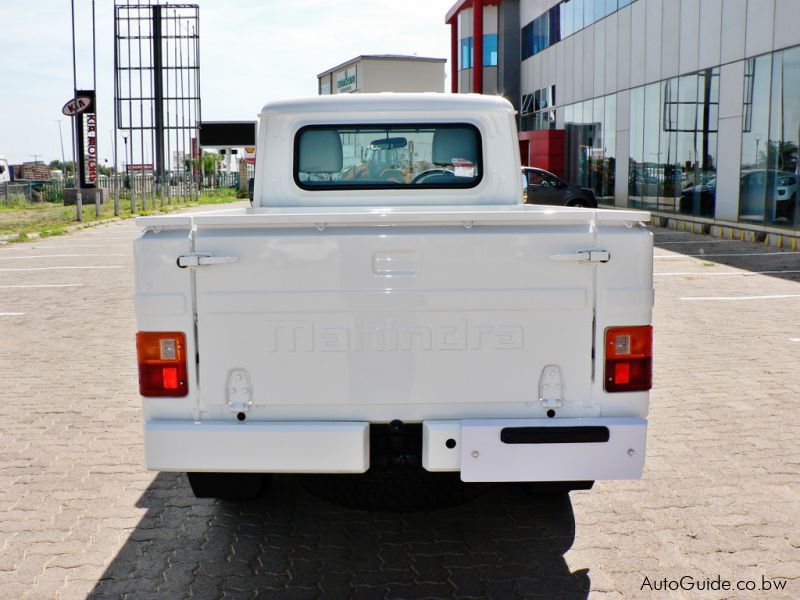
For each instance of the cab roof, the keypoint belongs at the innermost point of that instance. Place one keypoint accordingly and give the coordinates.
(389, 101)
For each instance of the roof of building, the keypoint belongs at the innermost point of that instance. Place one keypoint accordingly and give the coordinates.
(463, 5)
(411, 58)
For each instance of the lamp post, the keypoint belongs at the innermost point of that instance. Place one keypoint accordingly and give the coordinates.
(116, 172)
(61, 139)
(75, 120)
(758, 139)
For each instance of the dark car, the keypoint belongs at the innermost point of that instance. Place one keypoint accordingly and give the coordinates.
(699, 199)
(779, 187)
(542, 187)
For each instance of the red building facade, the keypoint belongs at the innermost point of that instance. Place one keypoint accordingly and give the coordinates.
(485, 37)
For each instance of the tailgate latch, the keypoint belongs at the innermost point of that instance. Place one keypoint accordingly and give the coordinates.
(551, 387)
(203, 260)
(591, 256)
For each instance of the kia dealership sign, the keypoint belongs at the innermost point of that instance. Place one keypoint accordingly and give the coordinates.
(77, 105)
(82, 109)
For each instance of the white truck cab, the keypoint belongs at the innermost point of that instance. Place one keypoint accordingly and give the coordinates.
(388, 292)
(5, 175)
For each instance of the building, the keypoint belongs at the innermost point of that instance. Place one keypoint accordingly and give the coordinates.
(384, 73)
(687, 108)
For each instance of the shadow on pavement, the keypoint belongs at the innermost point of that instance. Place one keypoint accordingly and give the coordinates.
(749, 256)
(289, 544)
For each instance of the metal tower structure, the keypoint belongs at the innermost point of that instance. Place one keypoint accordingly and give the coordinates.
(157, 97)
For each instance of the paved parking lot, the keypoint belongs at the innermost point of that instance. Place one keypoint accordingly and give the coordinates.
(720, 496)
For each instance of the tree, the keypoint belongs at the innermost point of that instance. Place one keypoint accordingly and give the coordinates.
(210, 161)
(66, 168)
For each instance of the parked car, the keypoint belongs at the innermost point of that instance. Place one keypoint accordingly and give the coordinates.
(699, 199)
(542, 187)
(780, 188)
(781, 192)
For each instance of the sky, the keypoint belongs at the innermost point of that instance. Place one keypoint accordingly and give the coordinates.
(251, 52)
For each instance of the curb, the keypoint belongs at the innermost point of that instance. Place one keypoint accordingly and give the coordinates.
(5, 239)
(79, 226)
(769, 236)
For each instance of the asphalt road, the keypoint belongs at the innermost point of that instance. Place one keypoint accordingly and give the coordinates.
(720, 498)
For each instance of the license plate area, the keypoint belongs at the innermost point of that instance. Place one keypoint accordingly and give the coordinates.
(552, 450)
(587, 434)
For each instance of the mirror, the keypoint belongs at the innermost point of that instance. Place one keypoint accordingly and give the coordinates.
(389, 143)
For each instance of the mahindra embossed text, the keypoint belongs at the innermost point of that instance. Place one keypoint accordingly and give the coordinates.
(391, 335)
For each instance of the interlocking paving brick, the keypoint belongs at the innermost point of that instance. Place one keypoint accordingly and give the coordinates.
(80, 517)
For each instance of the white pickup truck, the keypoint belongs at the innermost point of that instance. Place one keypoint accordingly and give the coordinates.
(5, 175)
(388, 298)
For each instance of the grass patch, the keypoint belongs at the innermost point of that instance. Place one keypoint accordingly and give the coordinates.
(49, 219)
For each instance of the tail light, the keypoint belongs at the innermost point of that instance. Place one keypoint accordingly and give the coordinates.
(162, 363)
(629, 359)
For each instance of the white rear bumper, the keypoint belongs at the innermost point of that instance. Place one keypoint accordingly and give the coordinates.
(572, 452)
(257, 446)
(483, 450)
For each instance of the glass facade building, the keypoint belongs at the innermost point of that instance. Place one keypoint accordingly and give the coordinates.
(770, 130)
(673, 144)
(592, 145)
(687, 108)
(465, 57)
(562, 20)
(465, 63)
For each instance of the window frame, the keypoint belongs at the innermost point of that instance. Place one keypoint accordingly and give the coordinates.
(389, 185)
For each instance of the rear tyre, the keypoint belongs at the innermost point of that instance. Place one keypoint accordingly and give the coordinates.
(557, 487)
(228, 486)
(397, 483)
(582, 203)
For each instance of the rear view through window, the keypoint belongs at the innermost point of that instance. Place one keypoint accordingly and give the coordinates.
(393, 156)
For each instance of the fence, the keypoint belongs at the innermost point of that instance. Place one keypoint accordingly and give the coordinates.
(140, 187)
(19, 193)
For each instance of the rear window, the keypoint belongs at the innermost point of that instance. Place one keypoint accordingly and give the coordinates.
(387, 157)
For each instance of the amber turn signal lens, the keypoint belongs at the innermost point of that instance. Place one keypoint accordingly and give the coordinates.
(629, 359)
(162, 363)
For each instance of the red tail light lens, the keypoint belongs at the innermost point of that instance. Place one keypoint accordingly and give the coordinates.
(162, 363)
(629, 359)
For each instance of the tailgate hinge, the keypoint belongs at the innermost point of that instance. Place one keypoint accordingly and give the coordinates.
(592, 256)
(203, 260)
(551, 387)
(239, 396)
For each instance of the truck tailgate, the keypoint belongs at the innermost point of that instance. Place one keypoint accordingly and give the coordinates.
(404, 320)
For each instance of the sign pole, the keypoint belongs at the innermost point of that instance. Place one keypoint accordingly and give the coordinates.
(94, 109)
(75, 122)
(132, 193)
(158, 107)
